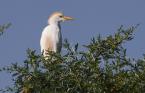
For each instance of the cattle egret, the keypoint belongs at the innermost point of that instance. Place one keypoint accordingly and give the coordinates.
(51, 38)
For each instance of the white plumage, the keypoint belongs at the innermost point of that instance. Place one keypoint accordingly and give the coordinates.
(51, 38)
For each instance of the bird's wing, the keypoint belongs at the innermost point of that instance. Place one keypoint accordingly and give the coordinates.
(46, 43)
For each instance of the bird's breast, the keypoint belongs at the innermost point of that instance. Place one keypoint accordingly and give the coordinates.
(53, 33)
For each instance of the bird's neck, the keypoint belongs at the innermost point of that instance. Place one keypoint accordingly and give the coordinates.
(55, 24)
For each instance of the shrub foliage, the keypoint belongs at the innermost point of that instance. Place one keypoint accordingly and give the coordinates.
(103, 67)
(4, 27)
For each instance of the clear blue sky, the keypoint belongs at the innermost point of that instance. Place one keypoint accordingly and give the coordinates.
(92, 17)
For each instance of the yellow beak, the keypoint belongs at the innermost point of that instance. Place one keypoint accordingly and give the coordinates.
(67, 18)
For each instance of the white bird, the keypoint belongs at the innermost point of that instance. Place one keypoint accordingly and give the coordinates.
(51, 38)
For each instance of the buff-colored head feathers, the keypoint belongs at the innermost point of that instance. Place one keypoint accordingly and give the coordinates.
(57, 17)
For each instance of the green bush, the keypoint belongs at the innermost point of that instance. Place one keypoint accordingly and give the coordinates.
(4, 27)
(103, 67)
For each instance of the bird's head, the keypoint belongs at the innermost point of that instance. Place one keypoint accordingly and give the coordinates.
(58, 17)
